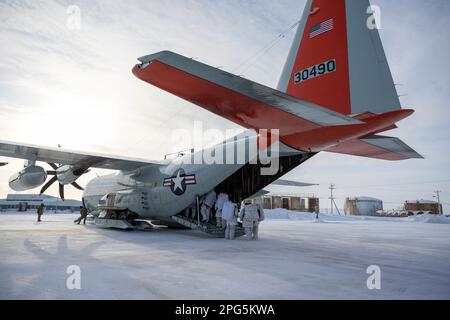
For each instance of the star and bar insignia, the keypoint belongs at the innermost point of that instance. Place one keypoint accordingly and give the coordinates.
(179, 182)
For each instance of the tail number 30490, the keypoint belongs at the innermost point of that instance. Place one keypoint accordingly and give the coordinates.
(315, 71)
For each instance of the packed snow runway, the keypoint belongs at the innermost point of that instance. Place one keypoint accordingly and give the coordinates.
(295, 259)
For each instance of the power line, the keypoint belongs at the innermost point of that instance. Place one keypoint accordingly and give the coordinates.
(395, 184)
(332, 188)
(438, 193)
(249, 61)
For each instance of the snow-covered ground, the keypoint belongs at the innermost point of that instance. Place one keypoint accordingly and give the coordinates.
(283, 214)
(296, 258)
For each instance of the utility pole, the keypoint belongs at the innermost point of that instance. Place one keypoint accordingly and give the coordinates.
(333, 203)
(438, 196)
(332, 187)
(198, 209)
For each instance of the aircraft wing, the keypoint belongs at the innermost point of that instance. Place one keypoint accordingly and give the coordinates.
(66, 157)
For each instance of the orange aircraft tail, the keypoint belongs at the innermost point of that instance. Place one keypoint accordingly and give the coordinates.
(335, 93)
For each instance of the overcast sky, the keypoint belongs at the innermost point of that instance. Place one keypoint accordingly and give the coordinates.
(75, 87)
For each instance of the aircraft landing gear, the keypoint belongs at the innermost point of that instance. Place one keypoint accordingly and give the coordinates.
(121, 219)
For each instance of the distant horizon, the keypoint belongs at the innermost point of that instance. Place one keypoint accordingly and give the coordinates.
(292, 194)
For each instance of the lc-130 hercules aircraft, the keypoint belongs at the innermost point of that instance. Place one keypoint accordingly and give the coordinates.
(335, 94)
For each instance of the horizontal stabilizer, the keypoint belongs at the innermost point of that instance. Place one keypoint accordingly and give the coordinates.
(260, 193)
(290, 183)
(281, 182)
(378, 147)
(247, 103)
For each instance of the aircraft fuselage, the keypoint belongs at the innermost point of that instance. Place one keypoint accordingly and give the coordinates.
(161, 191)
(157, 191)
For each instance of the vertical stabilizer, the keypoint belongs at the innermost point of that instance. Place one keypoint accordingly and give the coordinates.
(338, 61)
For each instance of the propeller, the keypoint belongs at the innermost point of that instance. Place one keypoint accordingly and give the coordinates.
(55, 179)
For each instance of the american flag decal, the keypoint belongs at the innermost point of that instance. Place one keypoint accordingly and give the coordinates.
(320, 28)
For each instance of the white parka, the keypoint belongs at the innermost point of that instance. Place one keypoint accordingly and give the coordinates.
(230, 213)
(251, 213)
(221, 199)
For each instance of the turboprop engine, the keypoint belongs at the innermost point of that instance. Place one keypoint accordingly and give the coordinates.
(29, 178)
(64, 175)
(33, 176)
(68, 174)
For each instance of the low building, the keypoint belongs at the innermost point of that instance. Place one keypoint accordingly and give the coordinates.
(362, 206)
(25, 202)
(422, 206)
(300, 203)
(313, 205)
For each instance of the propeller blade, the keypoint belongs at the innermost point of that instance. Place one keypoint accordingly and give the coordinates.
(54, 166)
(61, 191)
(3, 164)
(48, 184)
(51, 172)
(76, 185)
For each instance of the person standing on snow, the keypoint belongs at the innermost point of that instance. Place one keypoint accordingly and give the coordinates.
(230, 215)
(251, 215)
(221, 199)
(40, 212)
(83, 215)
